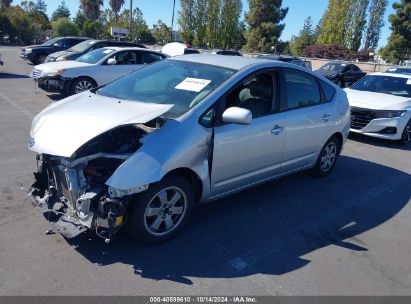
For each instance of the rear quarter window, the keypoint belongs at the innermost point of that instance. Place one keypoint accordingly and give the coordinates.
(328, 90)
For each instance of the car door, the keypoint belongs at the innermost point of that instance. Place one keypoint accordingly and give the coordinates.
(127, 62)
(308, 119)
(247, 154)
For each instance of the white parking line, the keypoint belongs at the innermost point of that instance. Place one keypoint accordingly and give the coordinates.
(18, 107)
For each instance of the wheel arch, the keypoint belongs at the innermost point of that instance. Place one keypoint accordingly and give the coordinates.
(340, 139)
(192, 177)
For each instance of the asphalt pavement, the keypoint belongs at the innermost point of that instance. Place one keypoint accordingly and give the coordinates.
(346, 234)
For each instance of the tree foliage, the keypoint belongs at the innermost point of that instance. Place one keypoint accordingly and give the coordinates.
(161, 32)
(116, 6)
(91, 8)
(356, 21)
(62, 11)
(305, 38)
(64, 27)
(212, 31)
(375, 23)
(186, 20)
(231, 29)
(5, 3)
(265, 27)
(399, 43)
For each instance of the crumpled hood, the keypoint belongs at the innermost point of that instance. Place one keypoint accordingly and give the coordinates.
(377, 101)
(65, 126)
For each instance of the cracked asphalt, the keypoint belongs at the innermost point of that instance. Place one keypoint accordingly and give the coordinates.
(346, 234)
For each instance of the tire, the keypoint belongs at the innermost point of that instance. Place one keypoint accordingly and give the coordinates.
(82, 84)
(39, 59)
(327, 158)
(150, 212)
(406, 134)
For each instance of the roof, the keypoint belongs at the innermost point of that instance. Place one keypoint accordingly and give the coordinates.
(230, 62)
(127, 48)
(398, 75)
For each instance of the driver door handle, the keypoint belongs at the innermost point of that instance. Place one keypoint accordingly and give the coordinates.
(277, 130)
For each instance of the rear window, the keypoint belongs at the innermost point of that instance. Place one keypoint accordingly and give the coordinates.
(328, 90)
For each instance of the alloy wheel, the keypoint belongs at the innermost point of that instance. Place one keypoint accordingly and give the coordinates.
(328, 156)
(407, 133)
(165, 211)
(82, 86)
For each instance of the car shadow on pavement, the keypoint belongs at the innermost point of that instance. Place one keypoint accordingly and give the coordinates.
(379, 142)
(268, 229)
(12, 76)
(56, 97)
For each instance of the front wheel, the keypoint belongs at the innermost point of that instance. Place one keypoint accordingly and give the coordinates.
(406, 134)
(39, 59)
(82, 84)
(327, 158)
(162, 211)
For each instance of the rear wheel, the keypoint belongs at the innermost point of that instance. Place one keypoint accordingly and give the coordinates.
(162, 211)
(82, 84)
(327, 158)
(406, 134)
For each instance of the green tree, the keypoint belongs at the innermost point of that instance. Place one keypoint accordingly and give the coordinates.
(305, 38)
(335, 22)
(5, 3)
(41, 6)
(28, 5)
(20, 24)
(62, 11)
(265, 27)
(80, 19)
(116, 6)
(231, 28)
(91, 8)
(161, 32)
(186, 20)
(375, 23)
(356, 24)
(92, 29)
(399, 43)
(64, 27)
(212, 30)
(200, 22)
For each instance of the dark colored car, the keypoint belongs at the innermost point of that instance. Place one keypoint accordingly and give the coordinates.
(342, 74)
(227, 53)
(189, 51)
(38, 53)
(399, 70)
(289, 59)
(84, 47)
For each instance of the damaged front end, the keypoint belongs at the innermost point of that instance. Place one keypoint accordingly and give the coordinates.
(72, 190)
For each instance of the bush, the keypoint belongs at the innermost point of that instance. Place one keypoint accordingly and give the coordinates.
(335, 52)
(64, 27)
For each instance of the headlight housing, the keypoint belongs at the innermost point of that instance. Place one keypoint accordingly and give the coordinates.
(28, 51)
(61, 58)
(390, 114)
(51, 73)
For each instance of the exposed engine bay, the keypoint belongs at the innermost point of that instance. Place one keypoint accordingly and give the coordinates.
(72, 191)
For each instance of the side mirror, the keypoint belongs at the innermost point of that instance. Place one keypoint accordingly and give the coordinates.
(347, 84)
(112, 61)
(237, 115)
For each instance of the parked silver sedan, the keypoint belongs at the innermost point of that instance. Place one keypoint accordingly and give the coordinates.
(142, 151)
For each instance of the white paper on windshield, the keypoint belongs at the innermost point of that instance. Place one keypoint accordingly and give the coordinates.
(107, 51)
(193, 84)
(408, 81)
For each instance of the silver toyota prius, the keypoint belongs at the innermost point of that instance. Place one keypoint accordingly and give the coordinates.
(142, 151)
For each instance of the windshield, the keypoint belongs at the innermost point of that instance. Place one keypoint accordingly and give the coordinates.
(95, 56)
(384, 84)
(399, 70)
(83, 46)
(51, 41)
(181, 83)
(333, 67)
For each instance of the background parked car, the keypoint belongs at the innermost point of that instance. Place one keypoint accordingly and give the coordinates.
(87, 46)
(380, 106)
(400, 70)
(93, 69)
(38, 53)
(341, 73)
(290, 59)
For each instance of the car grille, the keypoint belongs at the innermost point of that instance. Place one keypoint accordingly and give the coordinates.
(35, 73)
(360, 118)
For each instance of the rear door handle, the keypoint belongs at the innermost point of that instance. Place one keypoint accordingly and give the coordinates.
(277, 130)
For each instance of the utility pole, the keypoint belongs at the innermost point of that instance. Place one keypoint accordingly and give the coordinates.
(131, 17)
(172, 20)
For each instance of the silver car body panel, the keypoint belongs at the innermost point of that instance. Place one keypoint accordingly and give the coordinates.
(183, 143)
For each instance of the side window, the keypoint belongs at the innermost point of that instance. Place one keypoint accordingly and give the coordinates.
(302, 89)
(61, 42)
(73, 42)
(128, 57)
(328, 90)
(148, 57)
(255, 94)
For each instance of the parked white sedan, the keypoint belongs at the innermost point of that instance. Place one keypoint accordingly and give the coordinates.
(381, 106)
(93, 69)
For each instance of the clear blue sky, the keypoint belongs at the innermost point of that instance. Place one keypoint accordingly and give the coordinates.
(154, 10)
